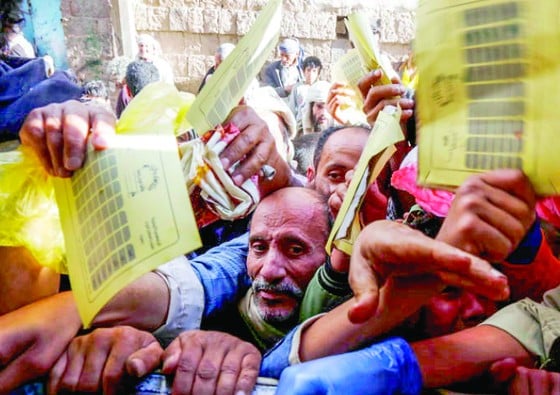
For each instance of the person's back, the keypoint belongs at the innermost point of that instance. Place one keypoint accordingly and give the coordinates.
(139, 73)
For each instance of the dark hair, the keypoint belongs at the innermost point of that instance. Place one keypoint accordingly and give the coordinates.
(311, 61)
(11, 14)
(304, 146)
(140, 73)
(326, 134)
(96, 88)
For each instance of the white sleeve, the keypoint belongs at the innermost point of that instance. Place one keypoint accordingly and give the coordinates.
(186, 303)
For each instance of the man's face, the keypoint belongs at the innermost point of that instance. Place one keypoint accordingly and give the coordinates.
(322, 120)
(145, 51)
(287, 59)
(340, 154)
(286, 246)
(311, 74)
(453, 311)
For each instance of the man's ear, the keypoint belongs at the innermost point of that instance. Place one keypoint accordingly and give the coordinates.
(310, 174)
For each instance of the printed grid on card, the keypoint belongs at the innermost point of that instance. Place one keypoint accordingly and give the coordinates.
(99, 200)
(495, 66)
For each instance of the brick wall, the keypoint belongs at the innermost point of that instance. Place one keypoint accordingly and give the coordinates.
(190, 30)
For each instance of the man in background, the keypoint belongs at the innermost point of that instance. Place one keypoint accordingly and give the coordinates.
(286, 72)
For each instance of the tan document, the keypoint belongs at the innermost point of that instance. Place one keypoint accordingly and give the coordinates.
(487, 99)
(228, 84)
(379, 148)
(127, 211)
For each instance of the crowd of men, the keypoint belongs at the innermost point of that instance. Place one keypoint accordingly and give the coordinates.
(464, 298)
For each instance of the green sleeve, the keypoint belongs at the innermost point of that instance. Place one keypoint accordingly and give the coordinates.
(535, 325)
(326, 290)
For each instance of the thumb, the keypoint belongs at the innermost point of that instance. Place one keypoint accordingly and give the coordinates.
(502, 371)
(144, 360)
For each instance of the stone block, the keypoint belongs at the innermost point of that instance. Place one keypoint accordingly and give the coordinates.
(406, 27)
(228, 21)
(179, 19)
(234, 4)
(301, 24)
(141, 17)
(196, 67)
(244, 21)
(323, 26)
(289, 26)
(256, 5)
(192, 43)
(158, 19)
(211, 18)
(196, 20)
(91, 9)
(208, 44)
(177, 3)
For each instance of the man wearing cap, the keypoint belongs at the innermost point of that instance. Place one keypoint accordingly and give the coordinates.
(284, 73)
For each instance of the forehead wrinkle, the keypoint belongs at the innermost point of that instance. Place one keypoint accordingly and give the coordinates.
(295, 226)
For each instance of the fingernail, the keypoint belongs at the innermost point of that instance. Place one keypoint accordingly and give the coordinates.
(377, 72)
(407, 102)
(238, 179)
(99, 140)
(497, 274)
(73, 163)
(225, 163)
(240, 393)
(138, 367)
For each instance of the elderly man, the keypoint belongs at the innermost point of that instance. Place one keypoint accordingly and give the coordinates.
(149, 50)
(221, 53)
(286, 72)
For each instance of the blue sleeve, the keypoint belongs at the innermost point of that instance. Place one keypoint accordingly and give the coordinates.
(385, 368)
(278, 357)
(223, 273)
(527, 250)
(27, 87)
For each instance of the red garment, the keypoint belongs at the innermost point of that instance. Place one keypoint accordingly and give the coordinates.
(534, 279)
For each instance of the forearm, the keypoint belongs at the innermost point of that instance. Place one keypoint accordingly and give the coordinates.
(465, 355)
(143, 304)
(334, 333)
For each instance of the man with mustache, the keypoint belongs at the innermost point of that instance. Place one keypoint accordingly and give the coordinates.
(286, 246)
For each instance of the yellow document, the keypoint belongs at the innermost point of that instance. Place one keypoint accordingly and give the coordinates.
(379, 148)
(127, 211)
(487, 96)
(367, 47)
(228, 84)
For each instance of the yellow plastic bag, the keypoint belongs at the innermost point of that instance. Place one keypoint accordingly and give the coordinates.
(28, 212)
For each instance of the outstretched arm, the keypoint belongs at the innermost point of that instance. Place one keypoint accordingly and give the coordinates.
(402, 280)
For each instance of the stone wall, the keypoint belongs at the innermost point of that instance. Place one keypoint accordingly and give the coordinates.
(90, 37)
(190, 30)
